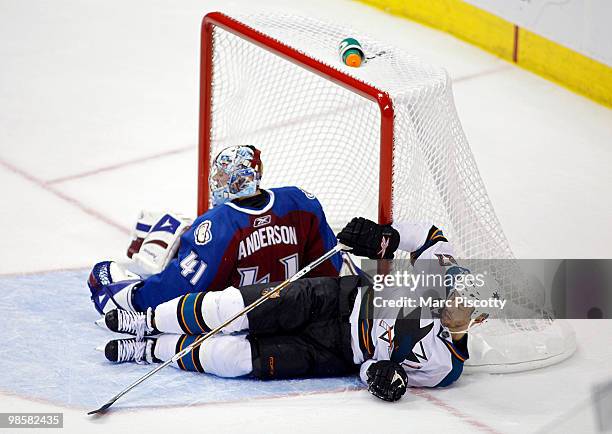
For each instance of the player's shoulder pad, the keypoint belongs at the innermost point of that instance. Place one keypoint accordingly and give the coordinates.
(434, 235)
(300, 196)
(213, 225)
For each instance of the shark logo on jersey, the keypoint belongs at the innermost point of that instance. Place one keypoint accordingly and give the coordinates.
(202, 234)
(262, 221)
(405, 336)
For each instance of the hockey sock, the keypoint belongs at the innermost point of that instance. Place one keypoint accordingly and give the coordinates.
(224, 356)
(190, 361)
(182, 315)
(200, 312)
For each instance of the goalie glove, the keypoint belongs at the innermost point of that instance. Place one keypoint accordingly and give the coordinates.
(155, 241)
(112, 286)
(386, 380)
(370, 239)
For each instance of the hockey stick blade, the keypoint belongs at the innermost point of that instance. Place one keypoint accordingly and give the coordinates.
(102, 409)
(339, 247)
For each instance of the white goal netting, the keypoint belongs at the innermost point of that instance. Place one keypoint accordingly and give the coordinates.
(325, 138)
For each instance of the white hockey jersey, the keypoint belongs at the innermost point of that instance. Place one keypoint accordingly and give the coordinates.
(420, 344)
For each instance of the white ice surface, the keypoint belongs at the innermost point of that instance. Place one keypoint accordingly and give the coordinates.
(89, 85)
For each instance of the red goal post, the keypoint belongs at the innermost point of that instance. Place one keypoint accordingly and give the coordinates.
(274, 46)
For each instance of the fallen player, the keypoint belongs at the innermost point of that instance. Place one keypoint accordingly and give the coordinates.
(316, 327)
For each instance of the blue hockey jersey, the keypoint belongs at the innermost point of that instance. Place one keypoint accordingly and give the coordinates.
(234, 245)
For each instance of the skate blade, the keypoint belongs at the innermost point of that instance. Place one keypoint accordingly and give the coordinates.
(101, 323)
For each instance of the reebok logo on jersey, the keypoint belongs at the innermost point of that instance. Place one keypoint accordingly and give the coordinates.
(266, 236)
(202, 234)
(262, 221)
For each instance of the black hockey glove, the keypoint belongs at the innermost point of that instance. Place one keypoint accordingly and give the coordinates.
(387, 380)
(370, 239)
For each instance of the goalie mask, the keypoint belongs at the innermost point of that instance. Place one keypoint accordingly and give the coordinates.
(235, 172)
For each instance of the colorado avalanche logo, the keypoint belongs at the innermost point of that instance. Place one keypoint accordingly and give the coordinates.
(262, 221)
(202, 234)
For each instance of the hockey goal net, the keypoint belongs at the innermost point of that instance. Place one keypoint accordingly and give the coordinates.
(381, 141)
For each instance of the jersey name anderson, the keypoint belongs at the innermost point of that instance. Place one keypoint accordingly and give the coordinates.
(267, 236)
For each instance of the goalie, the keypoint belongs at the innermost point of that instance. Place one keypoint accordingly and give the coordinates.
(251, 235)
(316, 327)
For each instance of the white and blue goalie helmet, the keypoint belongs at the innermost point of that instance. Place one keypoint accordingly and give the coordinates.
(235, 172)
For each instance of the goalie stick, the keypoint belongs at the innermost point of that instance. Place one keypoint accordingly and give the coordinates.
(216, 330)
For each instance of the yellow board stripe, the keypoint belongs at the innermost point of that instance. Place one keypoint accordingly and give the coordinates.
(565, 67)
(458, 18)
(504, 39)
